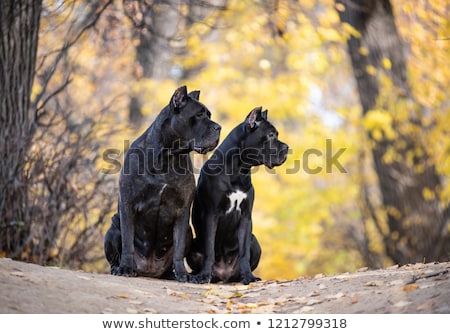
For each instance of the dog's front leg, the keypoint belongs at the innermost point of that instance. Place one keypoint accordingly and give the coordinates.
(179, 237)
(205, 275)
(244, 239)
(126, 267)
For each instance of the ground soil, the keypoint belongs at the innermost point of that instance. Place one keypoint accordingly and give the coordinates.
(416, 288)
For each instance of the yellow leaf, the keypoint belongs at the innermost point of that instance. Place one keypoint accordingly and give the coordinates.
(371, 69)
(374, 283)
(410, 287)
(387, 63)
(122, 296)
(363, 51)
(428, 194)
(349, 30)
(174, 293)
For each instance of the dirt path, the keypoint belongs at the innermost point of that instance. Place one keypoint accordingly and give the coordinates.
(419, 288)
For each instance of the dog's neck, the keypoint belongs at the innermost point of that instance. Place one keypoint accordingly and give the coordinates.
(166, 150)
(233, 149)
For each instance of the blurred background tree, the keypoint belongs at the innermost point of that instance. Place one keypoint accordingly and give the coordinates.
(415, 220)
(19, 24)
(336, 81)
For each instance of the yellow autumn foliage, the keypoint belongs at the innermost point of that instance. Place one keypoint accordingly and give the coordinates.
(293, 61)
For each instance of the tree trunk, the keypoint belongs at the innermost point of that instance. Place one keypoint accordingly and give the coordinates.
(19, 26)
(156, 27)
(417, 224)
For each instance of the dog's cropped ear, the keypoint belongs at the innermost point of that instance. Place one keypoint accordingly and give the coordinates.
(195, 94)
(179, 98)
(264, 114)
(251, 121)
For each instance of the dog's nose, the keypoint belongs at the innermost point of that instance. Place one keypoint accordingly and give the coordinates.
(217, 127)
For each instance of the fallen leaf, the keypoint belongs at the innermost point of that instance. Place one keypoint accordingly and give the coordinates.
(149, 310)
(254, 284)
(321, 275)
(397, 282)
(363, 269)
(344, 277)
(208, 292)
(395, 266)
(121, 296)
(313, 302)
(107, 310)
(142, 292)
(174, 293)
(354, 299)
(322, 286)
(313, 294)
(207, 300)
(243, 287)
(18, 274)
(247, 305)
(228, 305)
(410, 287)
(131, 310)
(374, 283)
(136, 302)
(339, 295)
(223, 293)
(84, 277)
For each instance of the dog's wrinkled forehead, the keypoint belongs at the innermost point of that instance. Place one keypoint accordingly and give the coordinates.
(267, 127)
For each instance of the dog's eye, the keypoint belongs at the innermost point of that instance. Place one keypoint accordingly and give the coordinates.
(200, 114)
(272, 135)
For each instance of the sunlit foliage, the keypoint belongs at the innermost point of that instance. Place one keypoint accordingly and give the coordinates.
(291, 58)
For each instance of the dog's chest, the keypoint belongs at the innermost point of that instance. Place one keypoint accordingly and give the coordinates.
(236, 198)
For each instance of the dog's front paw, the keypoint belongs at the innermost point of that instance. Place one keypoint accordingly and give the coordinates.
(200, 278)
(249, 278)
(181, 277)
(180, 272)
(123, 271)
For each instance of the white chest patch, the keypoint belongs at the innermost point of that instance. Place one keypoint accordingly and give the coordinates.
(236, 199)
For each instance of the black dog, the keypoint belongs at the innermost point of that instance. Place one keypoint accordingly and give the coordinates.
(225, 248)
(149, 234)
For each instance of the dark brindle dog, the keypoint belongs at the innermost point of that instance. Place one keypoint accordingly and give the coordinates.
(225, 248)
(149, 233)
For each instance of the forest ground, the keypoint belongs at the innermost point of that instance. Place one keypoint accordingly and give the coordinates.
(415, 288)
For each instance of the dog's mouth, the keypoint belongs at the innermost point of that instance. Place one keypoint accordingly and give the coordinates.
(282, 157)
(207, 148)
